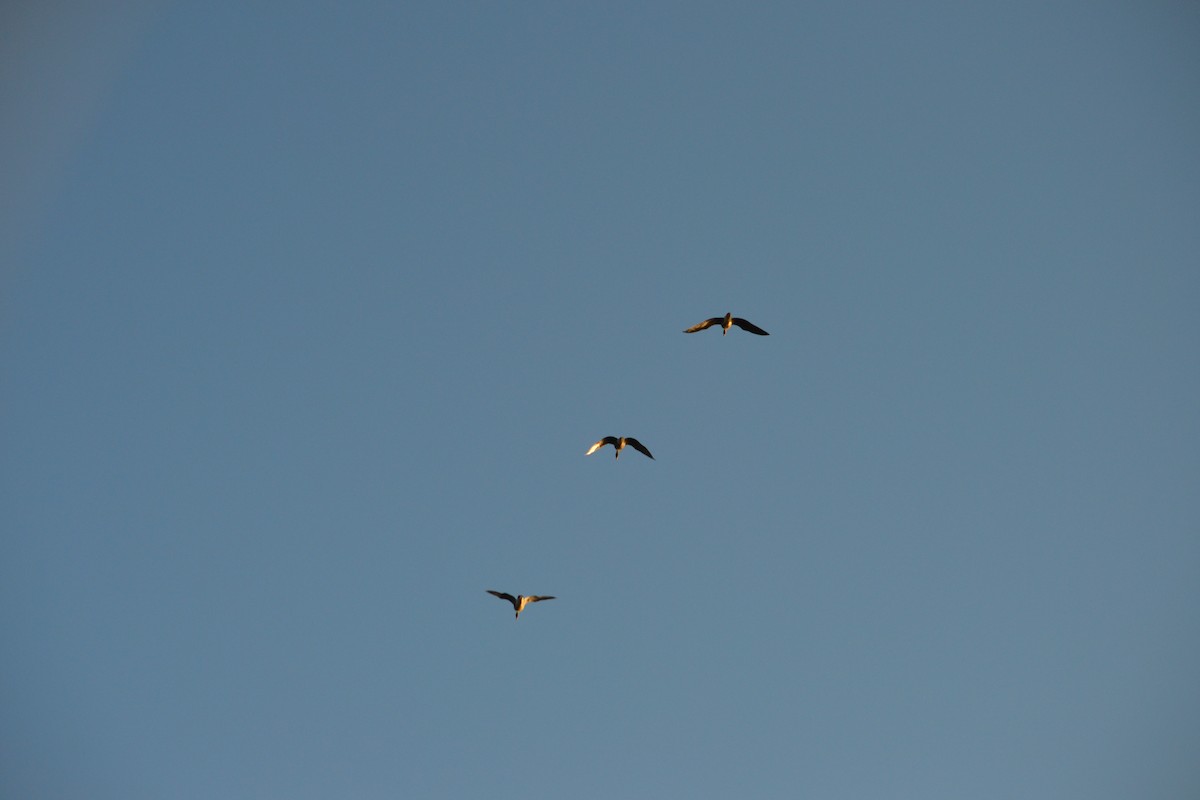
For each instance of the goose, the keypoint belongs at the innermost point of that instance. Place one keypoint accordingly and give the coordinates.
(725, 322)
(618, 443)
(520, 601)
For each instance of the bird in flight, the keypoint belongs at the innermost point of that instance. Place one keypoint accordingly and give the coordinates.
(520, 601)
(725, 322)
(618, 443)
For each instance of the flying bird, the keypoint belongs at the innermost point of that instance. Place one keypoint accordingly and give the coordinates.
(520, 601)
(725, 322)
(618, 443)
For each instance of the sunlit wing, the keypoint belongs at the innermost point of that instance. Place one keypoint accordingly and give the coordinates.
(614, 441)
(708, 323)
(747, 325)
(535, 598)
(636, 445)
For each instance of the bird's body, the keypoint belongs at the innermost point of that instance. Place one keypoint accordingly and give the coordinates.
(618, 443)
(520, 601)
(726, 322)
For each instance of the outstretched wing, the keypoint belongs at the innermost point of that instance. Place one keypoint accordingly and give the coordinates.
(614, 441)
(747, 325)
(504, 596)
(636, 445)
(708, 323)
(534, 598)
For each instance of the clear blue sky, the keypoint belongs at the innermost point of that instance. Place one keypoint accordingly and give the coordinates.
(310, 310)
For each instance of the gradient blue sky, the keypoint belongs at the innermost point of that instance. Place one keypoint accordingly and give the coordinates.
(310, 311)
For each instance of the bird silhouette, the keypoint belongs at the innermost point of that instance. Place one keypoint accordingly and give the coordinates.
(520, 601)
(725, 322)
(619, 443)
